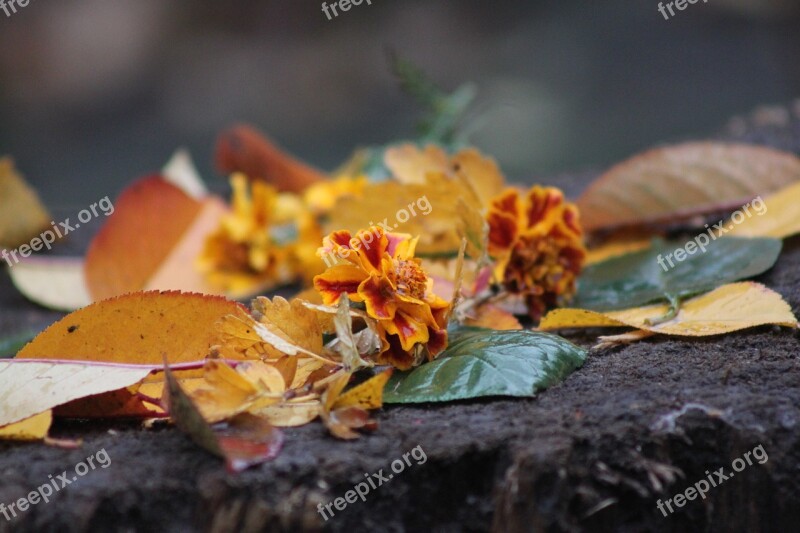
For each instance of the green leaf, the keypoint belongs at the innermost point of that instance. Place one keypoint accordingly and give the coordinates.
(484, 362)
(639, 278)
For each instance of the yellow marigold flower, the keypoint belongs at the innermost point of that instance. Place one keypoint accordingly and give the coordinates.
(380, 270)
(537, 242)
(247, 250)
(321, 197)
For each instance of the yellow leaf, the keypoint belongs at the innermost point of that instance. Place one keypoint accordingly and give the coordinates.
(728, 308)
(22, 215)
(229, 392)
(32, 387)
(434, 205)
(277, 328)
(780, 217)
(136, 328)
(33, 428)
(367, 395)
(410, 164)
(614, 249)
(290, 414)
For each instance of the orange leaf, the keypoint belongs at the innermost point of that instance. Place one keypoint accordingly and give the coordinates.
(149, 219)
(136, 328)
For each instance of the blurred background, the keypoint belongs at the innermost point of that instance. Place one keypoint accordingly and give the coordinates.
(94, 93)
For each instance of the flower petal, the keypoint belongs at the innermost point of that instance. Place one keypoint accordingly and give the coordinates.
(408, 329)
(541, 200)
(379, 296)
(370, 244)
(338, 279)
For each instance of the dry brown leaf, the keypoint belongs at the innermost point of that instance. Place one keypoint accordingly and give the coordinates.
(22, 215)
(674, 183)
(244, 441)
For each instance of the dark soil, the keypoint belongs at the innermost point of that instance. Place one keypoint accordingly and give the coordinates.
(636, 424)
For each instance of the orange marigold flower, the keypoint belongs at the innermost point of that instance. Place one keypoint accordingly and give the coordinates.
(380, 270)
(537, 242)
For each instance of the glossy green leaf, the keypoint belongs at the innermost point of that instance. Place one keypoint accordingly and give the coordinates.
(640, 278)
(483, 362)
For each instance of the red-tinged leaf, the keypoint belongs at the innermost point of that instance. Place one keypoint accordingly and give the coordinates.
(149, 219)
(244, 149)
(248, 440)
(245, 441)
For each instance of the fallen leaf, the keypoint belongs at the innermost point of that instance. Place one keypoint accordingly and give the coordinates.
(409, 163)
(147, 233)
(726, 309)
(780, 217)
(639, 278)
(347, 344)
(137, 328)
(33, 387)
(53, 282)
(615, 248)
(492, 317)
(435, 224)
(678, 182)
(367, 395)
(291, 414)
(22, 215)
(244, 441)
(277, 328)
(33, 428)
(229, 392)
(482, 362)
(181, 172)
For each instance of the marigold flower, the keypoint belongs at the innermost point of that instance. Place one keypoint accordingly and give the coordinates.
(380, 270)
(247, 249)
(537, 242)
